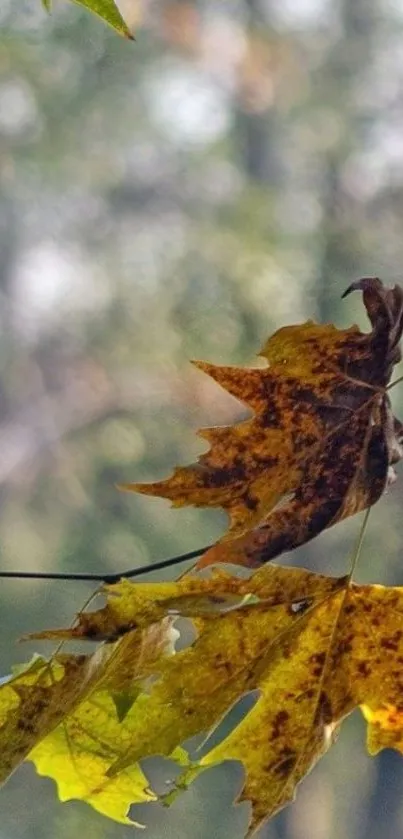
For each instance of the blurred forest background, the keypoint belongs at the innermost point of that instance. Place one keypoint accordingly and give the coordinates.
(180, 197)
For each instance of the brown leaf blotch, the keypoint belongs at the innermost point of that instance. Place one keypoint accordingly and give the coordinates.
(321, 441)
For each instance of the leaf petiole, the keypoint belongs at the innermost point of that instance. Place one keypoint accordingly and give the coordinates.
(396, 382)
(357, 549)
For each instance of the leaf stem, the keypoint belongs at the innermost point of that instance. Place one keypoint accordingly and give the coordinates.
(357, 549)
(396, 382)
(175, 560)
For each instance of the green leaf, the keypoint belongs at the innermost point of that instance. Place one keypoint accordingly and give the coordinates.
(47, 5)
(108, 11)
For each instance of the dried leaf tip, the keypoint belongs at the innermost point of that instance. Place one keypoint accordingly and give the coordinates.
(363, 284)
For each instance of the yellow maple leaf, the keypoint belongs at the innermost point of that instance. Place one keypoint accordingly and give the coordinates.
(314, 647)
(33, 702)
(79, 753)
(48, 714)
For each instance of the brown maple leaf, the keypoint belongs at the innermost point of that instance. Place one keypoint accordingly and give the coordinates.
(321, 444)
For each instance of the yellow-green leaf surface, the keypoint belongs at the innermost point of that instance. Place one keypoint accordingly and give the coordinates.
(79, 753)
(63, 714)
(137, 606)
(346, 652)
(33, 703)
(292, 724)
(109, 12)
(313, 647)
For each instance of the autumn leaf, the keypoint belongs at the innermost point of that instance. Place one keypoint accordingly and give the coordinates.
(38, 711)
(322, 441)
(79, 752)
(77, 756)
(66, 716)
(131, 607)
(33, 702)
(314, 648)
(320, 446)
(341, 652)
(109, 12)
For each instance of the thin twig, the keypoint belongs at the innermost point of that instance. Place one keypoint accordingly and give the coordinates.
(357, 549)
(393, 384)
(164, 563)
(105, 578)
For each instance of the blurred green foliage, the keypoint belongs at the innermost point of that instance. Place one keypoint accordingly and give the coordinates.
(183, 196)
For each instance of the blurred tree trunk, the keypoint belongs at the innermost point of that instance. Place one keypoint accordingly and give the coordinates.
(255, 128)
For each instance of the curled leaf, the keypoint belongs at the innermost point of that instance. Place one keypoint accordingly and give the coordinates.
(320, 446)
